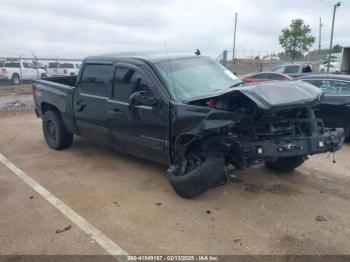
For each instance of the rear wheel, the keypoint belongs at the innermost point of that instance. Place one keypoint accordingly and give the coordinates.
(55, 133)
(286, 164)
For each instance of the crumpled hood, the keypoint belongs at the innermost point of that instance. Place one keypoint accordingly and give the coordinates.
(275, 95)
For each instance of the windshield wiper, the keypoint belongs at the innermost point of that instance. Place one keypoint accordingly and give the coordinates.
(235, 85)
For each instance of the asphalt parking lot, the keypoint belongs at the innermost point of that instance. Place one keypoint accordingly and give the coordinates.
(131, 202)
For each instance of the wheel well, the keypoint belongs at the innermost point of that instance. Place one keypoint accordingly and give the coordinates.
(46, 107)
(347, 131)
(15, 74)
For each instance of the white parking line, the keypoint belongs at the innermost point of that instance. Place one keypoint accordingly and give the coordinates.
(106, 243)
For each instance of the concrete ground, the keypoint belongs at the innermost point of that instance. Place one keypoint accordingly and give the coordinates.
(15, 99)
(132, 203)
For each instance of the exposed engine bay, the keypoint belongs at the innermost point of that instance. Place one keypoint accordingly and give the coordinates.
(249, 125)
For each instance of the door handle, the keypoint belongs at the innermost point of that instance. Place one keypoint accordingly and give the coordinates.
(116, 112)
(81, 105)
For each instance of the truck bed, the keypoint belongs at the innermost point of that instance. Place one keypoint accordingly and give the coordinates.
(65, 80)
(58, 92)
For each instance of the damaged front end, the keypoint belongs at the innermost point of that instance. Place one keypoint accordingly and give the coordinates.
(272, 123)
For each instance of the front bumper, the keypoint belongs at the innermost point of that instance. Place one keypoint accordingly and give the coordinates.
(330, 141)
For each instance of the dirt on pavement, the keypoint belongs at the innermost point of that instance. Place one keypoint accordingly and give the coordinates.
(15, 99)
(130, 200)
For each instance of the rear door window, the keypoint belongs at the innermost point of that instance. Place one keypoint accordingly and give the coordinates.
(260, 76)
(66, 65)
(269, 76)
(276, 77)
(12, 65)
(126, 82)
(279, 69)
(28, 65)
(291, 69)
(97, 79)
(53, 65)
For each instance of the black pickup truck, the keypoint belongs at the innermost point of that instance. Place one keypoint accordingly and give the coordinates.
(184, 111)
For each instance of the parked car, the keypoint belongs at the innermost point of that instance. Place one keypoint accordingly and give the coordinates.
(294, 70)
(264, 77)
(68, 69)
(185, 111)
(16, 71)
(334, 108)
(333, 68)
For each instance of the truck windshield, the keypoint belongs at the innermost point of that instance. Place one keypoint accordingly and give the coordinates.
(189, 78)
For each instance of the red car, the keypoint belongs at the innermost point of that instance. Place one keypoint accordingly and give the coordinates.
(264, 77)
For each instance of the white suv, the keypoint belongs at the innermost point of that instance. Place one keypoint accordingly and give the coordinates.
(21, 71)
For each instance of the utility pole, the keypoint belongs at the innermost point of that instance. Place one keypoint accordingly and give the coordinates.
(331, 43)
(320, 35)
(234, 39)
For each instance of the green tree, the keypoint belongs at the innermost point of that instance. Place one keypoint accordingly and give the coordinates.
(337, 49)
(296, 40)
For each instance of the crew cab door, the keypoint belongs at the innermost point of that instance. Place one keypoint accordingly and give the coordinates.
(90, 102)
(142, 129)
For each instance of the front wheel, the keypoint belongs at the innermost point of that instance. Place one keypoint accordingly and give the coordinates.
(201, 175)
(16, 80)
(286, 164)
(55, 133)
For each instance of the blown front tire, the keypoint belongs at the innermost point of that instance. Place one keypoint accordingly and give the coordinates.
(205, 176)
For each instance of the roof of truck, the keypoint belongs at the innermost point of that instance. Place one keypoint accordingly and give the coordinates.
(148, 57)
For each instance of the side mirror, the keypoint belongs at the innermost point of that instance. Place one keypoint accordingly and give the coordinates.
(143, 98)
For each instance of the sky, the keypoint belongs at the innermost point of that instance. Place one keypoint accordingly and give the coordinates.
(78, 28)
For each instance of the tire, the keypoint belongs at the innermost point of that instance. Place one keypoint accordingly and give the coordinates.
(207, 175)
(16, 79)
(55, 133)
(43, 76)
(347, 132)
(286, 164)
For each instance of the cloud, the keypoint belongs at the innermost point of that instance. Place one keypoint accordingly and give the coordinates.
(78, 28)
